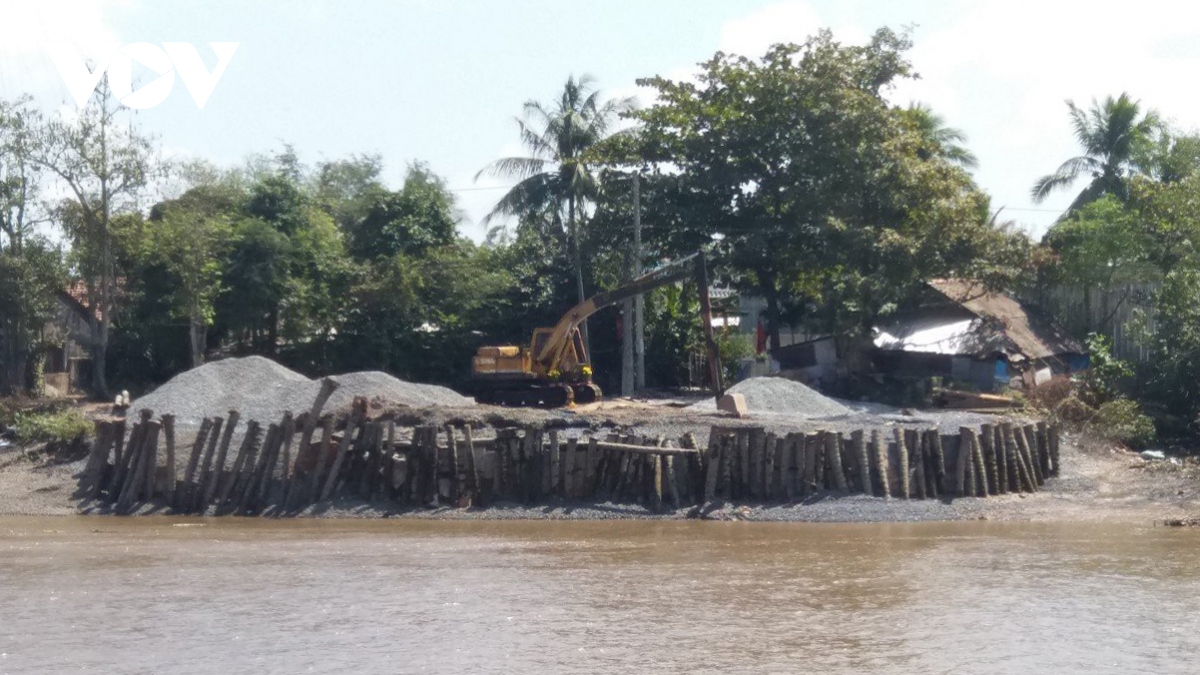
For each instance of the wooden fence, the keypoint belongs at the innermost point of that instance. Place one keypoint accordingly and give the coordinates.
(287, 467)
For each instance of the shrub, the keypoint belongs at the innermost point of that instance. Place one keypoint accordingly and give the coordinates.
(49, 427)
(1122, 420)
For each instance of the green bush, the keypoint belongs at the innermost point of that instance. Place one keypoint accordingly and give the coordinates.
(49, 427)
(1123, 420)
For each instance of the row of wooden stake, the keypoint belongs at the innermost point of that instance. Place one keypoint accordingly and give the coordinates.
(272, 472)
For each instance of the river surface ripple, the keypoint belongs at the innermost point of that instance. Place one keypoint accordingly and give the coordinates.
(157, 595)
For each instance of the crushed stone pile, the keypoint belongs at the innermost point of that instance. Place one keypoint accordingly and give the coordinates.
(262, 390)
(779, 395)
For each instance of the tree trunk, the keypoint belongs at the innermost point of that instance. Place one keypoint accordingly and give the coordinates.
(198, 334)
(771, 295)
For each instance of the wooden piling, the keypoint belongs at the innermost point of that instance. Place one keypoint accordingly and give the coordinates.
(168, 430)
(881, 462)
(902, 450)
(343, 447)
(965, 483)
(187, 491)
(218, 468)
(1035, 452)
(1053, 441)
(833, 455)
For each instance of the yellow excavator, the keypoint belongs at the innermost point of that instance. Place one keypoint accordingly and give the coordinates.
(554, 369)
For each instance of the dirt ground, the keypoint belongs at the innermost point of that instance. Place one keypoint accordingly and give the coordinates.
(1099, 482)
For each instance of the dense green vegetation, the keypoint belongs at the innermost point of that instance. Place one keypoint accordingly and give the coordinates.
(807, 185)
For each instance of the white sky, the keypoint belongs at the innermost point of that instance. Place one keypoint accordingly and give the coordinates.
(441, 80)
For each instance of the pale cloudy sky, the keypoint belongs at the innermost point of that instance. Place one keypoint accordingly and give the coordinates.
(441, 80)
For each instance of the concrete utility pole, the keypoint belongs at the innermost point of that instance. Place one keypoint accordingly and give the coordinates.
(628, 378)
(639, 306)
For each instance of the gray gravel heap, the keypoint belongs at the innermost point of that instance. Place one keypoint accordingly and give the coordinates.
(262, 390)
(779, 395)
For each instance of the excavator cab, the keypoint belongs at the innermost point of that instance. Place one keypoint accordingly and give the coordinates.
(573, 366)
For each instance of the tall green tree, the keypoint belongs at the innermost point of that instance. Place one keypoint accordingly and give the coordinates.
(31, 275)
(105, 163)
(190, 236)
(559, 176)
(1113, 135)
(943, 140)
(817, 191)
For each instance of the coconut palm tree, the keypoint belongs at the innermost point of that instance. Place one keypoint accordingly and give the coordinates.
(947, 140)
(1113, 135)
(558, 175)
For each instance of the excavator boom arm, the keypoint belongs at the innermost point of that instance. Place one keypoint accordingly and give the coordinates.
(555, 347)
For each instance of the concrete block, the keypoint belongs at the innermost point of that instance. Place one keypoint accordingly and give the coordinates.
(733, 403)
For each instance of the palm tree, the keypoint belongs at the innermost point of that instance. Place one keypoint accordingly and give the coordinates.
(1113, 134)
(557, 177)
(948, 140)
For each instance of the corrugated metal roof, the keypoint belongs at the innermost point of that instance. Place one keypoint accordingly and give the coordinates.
(952, 337)
(1025, 331)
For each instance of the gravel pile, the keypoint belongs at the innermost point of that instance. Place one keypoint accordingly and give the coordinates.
(779, 395)
(374, 384)
(262, 390)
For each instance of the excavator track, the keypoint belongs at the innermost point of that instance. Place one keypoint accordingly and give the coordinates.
(586, 393)
(527, 396)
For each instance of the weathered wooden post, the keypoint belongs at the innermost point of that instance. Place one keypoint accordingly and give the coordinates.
(187, 491)
(215, 476)
(1053, 438)
(880, 448)
(168, 428)
(966, 457)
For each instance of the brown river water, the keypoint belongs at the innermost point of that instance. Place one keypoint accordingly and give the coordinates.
(149, 595)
